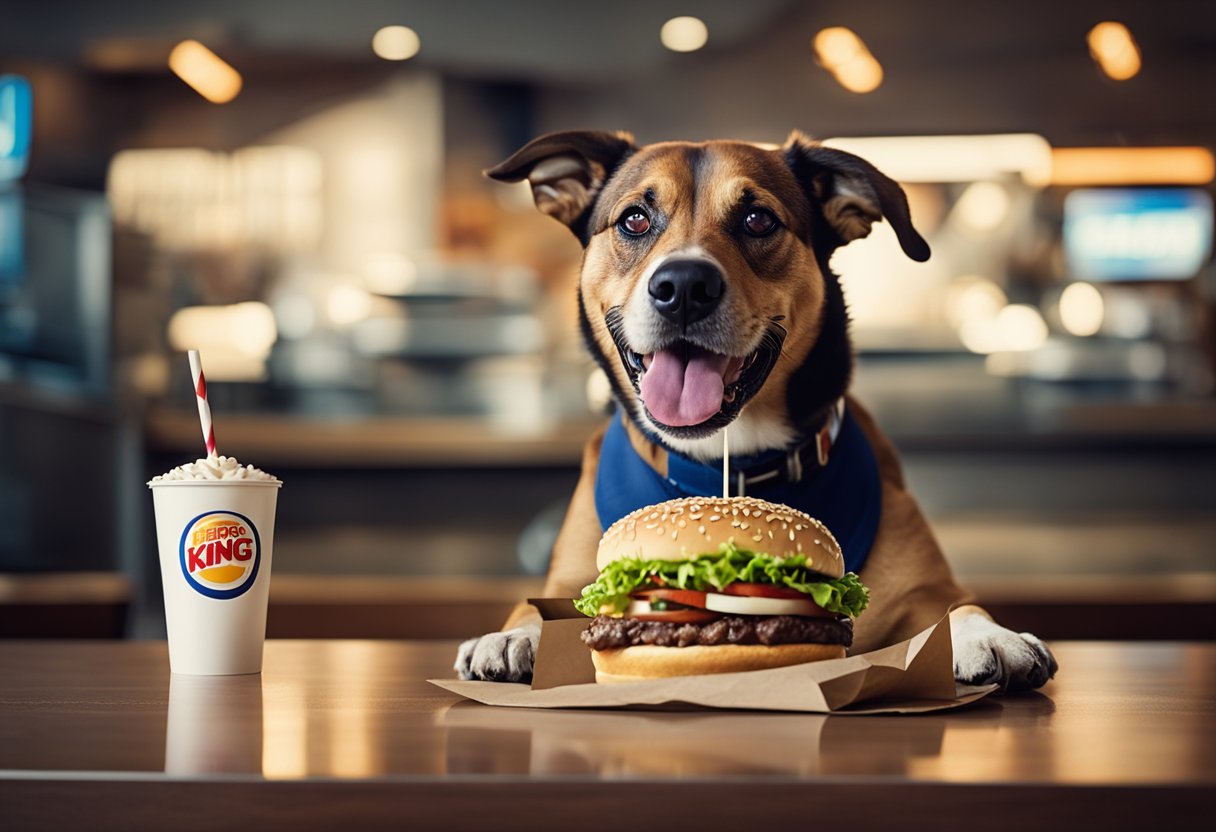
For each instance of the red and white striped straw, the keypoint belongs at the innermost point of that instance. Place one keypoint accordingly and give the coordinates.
(204, 409)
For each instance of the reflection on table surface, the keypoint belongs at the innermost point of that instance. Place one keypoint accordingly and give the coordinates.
(1117, 713)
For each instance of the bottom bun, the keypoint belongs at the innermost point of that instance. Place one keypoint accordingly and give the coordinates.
(646, 661)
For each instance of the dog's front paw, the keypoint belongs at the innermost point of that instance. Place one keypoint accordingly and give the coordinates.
(499, 657)
(986, 653)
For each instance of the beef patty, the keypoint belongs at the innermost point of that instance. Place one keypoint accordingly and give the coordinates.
(606, 632)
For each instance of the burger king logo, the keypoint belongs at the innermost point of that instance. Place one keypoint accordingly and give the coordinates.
(220, 552)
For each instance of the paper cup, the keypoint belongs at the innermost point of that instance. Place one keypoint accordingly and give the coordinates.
(215, 539)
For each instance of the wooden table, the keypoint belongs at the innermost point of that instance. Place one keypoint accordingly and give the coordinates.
(348, 735)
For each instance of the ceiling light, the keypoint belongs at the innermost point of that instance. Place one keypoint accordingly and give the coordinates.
(1114, 49)
(1132, 166)
(684, 34)
(860, 75)
(837, 45)
(206, 72)
(396, 43)
(841, 52)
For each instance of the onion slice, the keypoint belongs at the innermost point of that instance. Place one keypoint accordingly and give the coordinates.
(744, 605)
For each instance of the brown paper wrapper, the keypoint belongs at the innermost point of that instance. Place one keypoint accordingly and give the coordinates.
(914, 676)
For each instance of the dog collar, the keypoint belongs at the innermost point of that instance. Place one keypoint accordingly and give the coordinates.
(765, 469)
(843, 491)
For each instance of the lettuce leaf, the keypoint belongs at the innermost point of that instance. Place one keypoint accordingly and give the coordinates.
(610, 592)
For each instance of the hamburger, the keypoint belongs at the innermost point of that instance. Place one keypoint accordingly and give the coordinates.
(717, 585)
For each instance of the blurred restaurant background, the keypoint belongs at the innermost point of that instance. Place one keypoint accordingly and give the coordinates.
(296, 190)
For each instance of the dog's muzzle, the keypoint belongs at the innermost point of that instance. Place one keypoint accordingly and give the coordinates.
(688, 391)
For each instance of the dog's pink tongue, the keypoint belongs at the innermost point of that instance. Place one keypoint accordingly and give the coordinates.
(681, 391)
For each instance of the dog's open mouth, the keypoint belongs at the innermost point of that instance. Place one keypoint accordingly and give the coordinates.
(690, 391)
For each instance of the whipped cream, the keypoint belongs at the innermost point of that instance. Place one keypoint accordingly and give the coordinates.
(214, 468)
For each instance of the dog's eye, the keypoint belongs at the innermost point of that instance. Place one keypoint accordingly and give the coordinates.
(634, 223)
(759, 223)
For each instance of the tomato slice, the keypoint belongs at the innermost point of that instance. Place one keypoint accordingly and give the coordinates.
(687, 597)
(763, 591)
(740, 598)
(678, 616)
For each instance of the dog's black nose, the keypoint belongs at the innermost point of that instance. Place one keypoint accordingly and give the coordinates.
(685, 291)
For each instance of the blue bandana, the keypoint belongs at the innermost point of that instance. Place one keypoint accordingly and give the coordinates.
(846, 495)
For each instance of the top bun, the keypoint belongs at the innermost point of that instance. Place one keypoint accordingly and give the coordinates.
(691, 526)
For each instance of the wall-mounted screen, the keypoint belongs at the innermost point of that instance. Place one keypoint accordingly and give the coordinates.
(1137, 233)
(55, 289)
(16, 121)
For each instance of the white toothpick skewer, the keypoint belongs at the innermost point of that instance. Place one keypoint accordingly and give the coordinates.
(725, 462)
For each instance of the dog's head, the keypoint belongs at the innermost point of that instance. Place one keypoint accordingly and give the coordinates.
(705, 291)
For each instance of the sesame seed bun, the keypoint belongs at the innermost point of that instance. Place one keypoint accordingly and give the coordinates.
(646, 661)
(691, 526)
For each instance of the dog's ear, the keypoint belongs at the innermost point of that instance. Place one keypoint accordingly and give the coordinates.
(567, 171)
(852, 193)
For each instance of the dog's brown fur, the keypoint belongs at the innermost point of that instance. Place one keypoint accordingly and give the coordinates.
(696, 193)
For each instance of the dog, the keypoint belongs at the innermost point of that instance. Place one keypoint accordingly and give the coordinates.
(706, 297)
